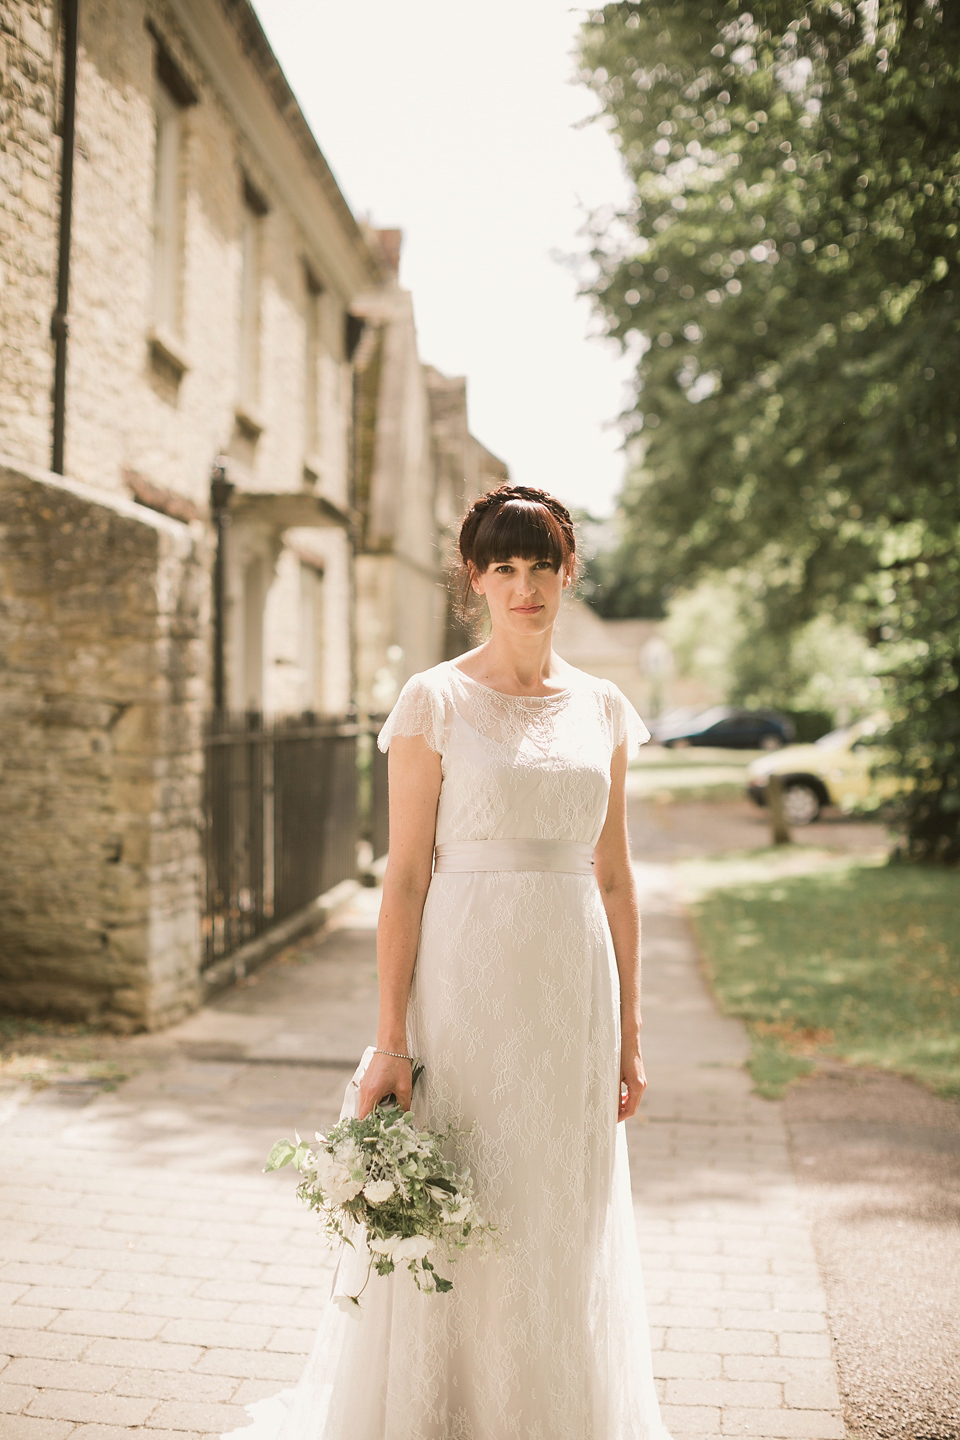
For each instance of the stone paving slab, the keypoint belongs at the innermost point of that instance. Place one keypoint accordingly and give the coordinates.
(154, 1282)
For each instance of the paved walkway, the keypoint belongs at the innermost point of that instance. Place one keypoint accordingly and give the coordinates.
(739, 1315)
(155, 1281)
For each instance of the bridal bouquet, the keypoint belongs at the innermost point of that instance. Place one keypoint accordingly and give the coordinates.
(394, 1181)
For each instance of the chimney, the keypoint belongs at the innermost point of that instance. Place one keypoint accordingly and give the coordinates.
(391, 242)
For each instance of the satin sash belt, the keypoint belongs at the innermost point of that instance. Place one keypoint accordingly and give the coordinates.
(566, 857)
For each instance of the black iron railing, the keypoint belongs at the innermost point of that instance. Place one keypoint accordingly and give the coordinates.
(281, 820)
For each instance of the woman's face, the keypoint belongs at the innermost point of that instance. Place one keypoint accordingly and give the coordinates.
(523, 595)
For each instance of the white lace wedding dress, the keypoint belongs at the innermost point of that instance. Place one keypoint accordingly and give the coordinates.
(514, 1011)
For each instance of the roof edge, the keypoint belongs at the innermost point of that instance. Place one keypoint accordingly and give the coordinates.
(257, 48)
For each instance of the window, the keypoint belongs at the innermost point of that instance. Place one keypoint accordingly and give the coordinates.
(254, 600)
(311, 635)
(313, 299)
(166, 211)
(173, 94)
(251, 240)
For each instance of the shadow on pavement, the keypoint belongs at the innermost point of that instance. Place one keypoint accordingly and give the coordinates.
(878, 1160)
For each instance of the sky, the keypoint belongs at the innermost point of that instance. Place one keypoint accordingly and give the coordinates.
(457, 122)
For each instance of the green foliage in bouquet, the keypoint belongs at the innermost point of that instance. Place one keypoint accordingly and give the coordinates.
(394, 1181)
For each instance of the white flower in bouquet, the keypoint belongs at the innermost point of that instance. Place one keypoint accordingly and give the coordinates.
(414, 1247)
(458, 1212)
(377, 1191)
(386, 1246)
(395, 1184)
(335, 1178)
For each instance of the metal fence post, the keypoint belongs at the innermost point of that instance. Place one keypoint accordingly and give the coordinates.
(780, 830)
(220, 492)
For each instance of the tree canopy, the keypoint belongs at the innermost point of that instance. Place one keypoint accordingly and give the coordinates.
(789, 271)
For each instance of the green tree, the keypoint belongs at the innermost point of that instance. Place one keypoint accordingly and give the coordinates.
(791, 255)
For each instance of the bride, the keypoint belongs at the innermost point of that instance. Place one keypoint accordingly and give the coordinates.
(509, 964)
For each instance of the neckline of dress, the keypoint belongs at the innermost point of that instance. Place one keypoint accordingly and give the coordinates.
(505, 694)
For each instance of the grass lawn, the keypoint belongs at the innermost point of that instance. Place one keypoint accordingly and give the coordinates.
(854, 960)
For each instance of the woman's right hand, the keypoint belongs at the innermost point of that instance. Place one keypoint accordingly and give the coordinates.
(385, 1075)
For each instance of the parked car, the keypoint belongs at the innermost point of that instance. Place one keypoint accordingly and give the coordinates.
(835, 770)
(726, 728)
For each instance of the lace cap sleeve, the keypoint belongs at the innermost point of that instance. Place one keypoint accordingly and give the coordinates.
(627, 724)
(419, 710)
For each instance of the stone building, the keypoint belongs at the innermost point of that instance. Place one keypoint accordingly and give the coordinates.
(214, 263)
(218, 285)
(417, 468)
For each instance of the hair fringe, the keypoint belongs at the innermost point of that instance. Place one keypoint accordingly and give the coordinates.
(509, 520)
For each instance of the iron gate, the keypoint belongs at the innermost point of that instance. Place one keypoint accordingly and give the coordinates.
(280, 820)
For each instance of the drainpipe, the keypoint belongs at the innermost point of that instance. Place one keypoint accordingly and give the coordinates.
(58, 324)
(353, 533)
(220, 492)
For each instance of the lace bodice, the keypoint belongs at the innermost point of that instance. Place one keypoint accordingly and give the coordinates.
(517, 766)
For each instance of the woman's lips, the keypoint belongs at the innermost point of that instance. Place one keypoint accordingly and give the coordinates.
(527, 609)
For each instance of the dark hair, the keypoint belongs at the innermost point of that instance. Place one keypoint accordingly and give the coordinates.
(512, 520)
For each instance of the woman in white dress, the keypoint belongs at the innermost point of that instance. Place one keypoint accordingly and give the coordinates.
(508, 951)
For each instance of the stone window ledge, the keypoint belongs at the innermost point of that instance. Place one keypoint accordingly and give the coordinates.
(249, 421)
(168, 350)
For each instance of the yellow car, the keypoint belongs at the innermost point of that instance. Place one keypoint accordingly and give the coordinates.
(833, 771)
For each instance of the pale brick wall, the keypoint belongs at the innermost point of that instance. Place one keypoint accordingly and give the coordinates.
(29, 165)
(400, 604)
(103, 623)
(418, 466)
(123, 411)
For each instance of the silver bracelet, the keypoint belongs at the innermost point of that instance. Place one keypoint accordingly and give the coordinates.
(396, 1055)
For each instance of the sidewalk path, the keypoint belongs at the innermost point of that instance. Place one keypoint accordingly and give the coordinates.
(153, 1281)
(736, 1305)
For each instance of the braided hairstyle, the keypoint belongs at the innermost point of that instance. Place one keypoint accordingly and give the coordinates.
(512, 520)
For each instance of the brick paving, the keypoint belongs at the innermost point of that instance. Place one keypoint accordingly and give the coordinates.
(154, 1282)
(737, 1310)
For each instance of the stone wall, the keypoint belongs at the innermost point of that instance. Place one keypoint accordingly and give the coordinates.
(104, 603)
(103, 625)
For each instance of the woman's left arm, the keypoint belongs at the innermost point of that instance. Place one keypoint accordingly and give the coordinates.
(611, 863)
